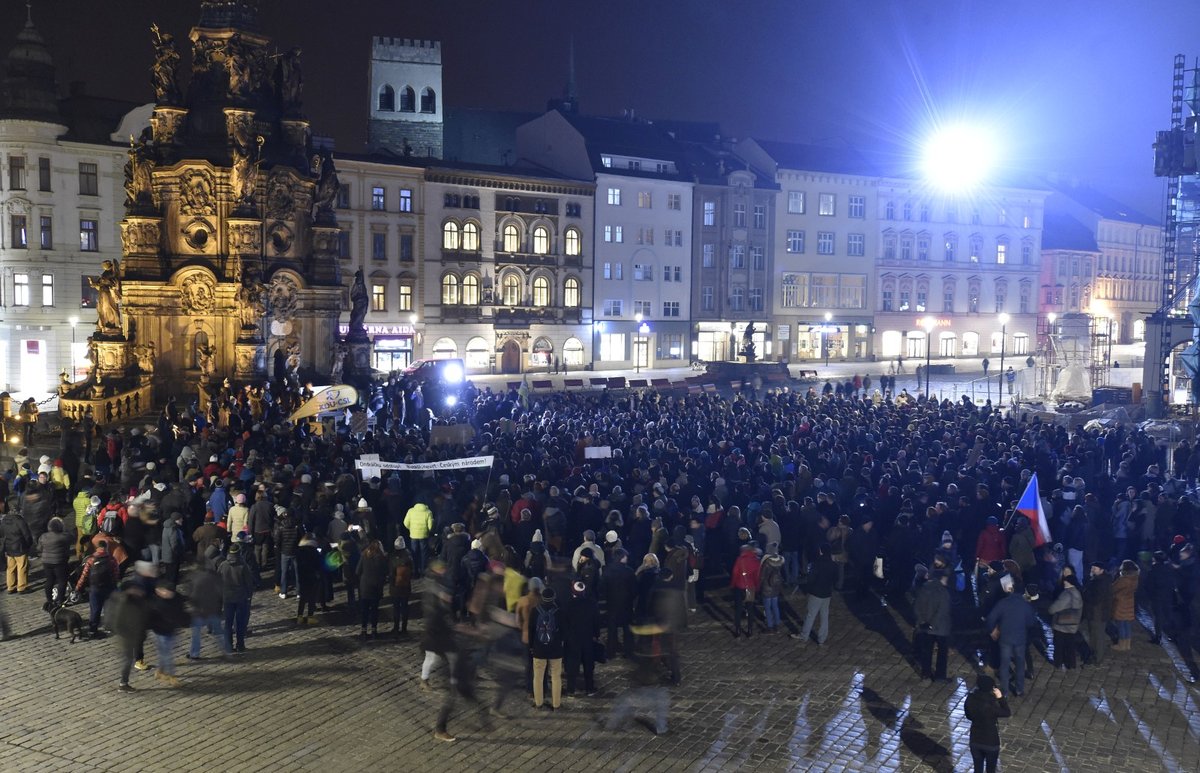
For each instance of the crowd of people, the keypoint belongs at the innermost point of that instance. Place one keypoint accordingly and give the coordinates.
(607, 520)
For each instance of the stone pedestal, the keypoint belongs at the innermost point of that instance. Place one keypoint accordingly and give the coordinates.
(243, 243)
(114, 358)
(250, 361)
(358, 359)
(165, 122)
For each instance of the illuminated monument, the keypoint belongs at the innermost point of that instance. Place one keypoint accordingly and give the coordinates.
(229, 240)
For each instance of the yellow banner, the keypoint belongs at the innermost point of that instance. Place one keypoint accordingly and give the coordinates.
(328, 400)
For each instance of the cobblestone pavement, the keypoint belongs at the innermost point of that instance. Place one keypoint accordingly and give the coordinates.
(317, 699)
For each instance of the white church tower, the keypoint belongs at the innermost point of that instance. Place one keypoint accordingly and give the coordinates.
(406, 97)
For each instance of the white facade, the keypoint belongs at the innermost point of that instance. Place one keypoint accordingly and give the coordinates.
(1128, 283)
(61, 203)
(962, 263)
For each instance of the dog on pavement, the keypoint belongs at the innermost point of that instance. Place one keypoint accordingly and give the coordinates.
(66, 620)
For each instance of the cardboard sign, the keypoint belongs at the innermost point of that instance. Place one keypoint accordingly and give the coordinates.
(597, 452)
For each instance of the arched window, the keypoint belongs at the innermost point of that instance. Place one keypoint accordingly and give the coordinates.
(572, 242)
(572, 352)
(512, 238)
(470, 237)
(476, 353)
(387, 99)
(428, 100)
(470, 290)
(541, 240)
(450, 290)
(510, 290)
(444, 349)
(541, 291)
(450, 235)
(408, 100)
(571, 293)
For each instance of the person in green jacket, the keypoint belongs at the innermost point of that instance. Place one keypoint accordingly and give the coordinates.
(86, 508)
(419, 522)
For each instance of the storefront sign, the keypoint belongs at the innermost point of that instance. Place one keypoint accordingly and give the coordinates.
(943, 322)
(383, 330)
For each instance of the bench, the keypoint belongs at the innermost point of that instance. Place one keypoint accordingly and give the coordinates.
(735, 386)
(806, 374)
(660, 383)
(694, 389)
(616, 382)
(512, 384)
(543, 384)
(598, 382)
(638, 383)
(710, 388)
(572, 383)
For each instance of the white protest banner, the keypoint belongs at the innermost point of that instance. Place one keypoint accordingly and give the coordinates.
(449, 464)
(597, 452)
(368, 472)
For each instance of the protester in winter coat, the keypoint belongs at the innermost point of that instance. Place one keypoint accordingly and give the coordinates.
(204, 596)
(744, 580)
(310, 581)
(1124, 591)
(983, 707)
(931, 611)
(821, 582)
(618, 587)
(1010, 621)
(237, 588)
(582, 630)
(400, 577)
(546, 647)
(18, 541)
(770, 586)
(55, 549)
(1066, 613)
(129, 617)
(372, 576)
(167, 615)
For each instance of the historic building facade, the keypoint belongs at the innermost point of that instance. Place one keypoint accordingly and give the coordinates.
(507, 278)
(970, 264)
(60, 196)
(642, 238)
(405, 93)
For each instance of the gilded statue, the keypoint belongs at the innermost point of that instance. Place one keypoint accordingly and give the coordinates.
(138, 187)
(252, 302)
(327, 186)
(339, 364)
(206, 360)
(163, 71)
(243, 175)
(108, 299)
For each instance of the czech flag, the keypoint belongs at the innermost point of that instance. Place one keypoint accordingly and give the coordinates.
(1030, 506)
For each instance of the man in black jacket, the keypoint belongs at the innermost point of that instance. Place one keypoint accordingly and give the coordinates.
(582, 631)
(931, 608)
(546, 647)
(820, 590)
(1097, 611)
(237, 587)
(618, 587)
(18, 541)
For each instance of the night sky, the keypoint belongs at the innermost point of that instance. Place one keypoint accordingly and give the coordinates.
(1076, 86)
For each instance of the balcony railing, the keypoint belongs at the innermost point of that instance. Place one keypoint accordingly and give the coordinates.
(529, 315)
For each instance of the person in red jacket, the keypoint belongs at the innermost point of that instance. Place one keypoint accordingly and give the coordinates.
(744, 582)
(991, 545)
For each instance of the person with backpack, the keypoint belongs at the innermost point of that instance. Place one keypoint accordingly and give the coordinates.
(55, 549)
(99, 575)
(839, 544)
(770, 585)
(87, 507)
(546, 647)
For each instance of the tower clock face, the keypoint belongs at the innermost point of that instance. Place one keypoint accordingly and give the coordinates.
(280, 328)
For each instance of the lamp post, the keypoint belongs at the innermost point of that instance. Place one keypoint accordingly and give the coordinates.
(929, 323)
(643, 329)
(825, 337)
(597, 328)
(74, 321)
(1003, 343)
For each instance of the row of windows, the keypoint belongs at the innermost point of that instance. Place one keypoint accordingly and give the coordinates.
(823, 291)
(796, 243)
(737, 256)
(645, 199)
(378, 198)
(924, 214)
(915, 297)
(739, 299)
(465, 237)
(615, 307)
(797, 204)
(408, 100)
(907, 246)
(89, 176)
(379, 246)
(18, 233)
(465, 291)
(379, 295)
(21, 289)
(758, 215)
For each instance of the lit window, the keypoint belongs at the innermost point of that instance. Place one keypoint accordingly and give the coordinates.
(826, 204)
(477, 353)
(541, 240)
(378, 296)
(710, 213)
(795, 242)
(450, 235)
(450, 290)
(614, 197)
(406, 297)
(47, 232)
(89, 240)
(510, 290)
(644, 199)
(47, 290)
(1001, 253)
(470, 290)
(470, 237)
(405, 200)
(572, 242)
(824, 242)
(737, 256)
(512, 238)
(378, 201)
(857, 206)
(571, 293)
(20, 232)
(796, 202)
(541, 291)
(21, 289)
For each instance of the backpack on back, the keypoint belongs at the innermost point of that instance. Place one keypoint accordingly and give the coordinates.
(109, 523)
(101, 574)
(88, 524)
(547, 626)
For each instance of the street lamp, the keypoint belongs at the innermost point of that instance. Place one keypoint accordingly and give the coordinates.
(642, 330)
(597, 329)
(825, 336)
(929, 323)
(1003, 343)
(74, 321)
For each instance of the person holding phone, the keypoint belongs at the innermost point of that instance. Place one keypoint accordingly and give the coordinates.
(984, 707)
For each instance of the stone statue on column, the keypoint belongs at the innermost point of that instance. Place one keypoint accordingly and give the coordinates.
(163, 72)
(108, 300)
(358, 308)
(290, 79)
(139, 194)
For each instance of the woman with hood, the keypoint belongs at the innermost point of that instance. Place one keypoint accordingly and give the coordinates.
(770, 585)
(535, 557)
(310, 570)
(400, 579)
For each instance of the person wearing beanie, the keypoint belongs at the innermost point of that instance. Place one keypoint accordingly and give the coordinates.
(546, 647)
(1161, 584)
(400, 578)
(931, 611)
(984, 707)
(55, 549)
(770, 585)
(990, 545)
(589, 543)
(237, 588)
(1009, 623)
(1124, 607)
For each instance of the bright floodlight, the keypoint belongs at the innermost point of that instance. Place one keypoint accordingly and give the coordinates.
(453, 373)
(451, 401)
(959, 157)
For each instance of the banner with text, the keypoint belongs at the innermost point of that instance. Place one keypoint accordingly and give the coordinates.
(328, 400)
(449, 464)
